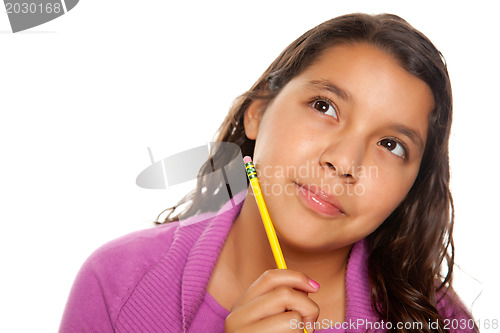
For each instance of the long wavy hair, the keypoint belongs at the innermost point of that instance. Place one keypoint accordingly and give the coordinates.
(411, 253)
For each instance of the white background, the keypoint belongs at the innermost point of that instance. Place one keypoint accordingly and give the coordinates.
(83, 96)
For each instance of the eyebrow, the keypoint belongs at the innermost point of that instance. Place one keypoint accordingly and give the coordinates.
(331, 87)
(412, 134)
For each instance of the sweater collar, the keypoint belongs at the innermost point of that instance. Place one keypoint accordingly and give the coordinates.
(206, 249)
(358, 296)
(203, 256)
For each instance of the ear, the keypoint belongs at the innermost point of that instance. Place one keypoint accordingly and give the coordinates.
(252, 118)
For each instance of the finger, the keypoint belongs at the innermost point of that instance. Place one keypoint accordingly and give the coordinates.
(277, 301)
(284, 322)
(283, 299)
(274, 278)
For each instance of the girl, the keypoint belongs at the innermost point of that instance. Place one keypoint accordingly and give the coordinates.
(348, 129)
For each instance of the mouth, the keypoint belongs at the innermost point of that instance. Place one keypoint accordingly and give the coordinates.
(319, 201)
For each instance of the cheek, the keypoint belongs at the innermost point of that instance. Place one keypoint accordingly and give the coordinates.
(280, 135)
(386, 191)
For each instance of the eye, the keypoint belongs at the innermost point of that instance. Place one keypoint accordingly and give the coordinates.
(394, 147)
(325, 106)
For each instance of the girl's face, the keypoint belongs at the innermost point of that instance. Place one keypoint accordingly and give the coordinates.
(340, 146)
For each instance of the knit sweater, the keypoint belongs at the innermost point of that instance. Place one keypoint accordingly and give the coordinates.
(155, 280)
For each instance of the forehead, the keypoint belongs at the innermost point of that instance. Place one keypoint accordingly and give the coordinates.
(365, 63)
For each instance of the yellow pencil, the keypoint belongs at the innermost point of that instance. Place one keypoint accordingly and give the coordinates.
(266, 219)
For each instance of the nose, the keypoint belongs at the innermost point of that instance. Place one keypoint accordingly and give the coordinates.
(342, 158)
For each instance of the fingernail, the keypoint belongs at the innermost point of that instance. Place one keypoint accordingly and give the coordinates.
(314, 284)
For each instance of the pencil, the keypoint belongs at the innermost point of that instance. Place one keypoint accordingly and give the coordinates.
(266, 219)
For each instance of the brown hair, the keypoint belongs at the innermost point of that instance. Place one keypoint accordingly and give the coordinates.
(409, 248)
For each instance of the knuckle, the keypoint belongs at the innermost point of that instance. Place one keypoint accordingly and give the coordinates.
(312, 310)
(268, 275)
(284, 292)
(292, 316)
(315, 308)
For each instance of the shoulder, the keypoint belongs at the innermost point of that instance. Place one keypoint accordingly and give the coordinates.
(121, 263)
(130, 254)
(147, 269)
(111, 274)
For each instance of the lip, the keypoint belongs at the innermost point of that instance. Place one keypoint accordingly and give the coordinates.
(320, 201)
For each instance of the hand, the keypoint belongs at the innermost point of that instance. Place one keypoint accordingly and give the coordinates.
(276, 300)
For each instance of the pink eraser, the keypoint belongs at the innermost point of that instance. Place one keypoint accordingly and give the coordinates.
(247, 159)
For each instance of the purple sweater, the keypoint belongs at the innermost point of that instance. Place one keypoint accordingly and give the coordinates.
(155, 280)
